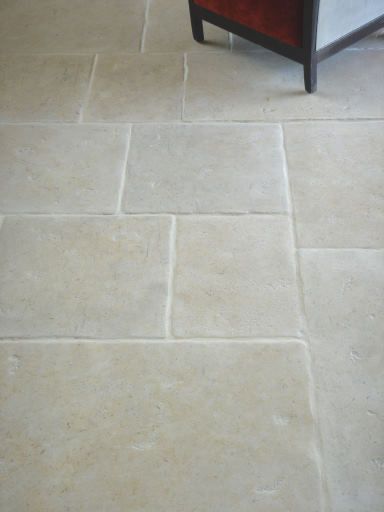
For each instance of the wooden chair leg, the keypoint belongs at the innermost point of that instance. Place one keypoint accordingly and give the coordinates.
(196, 23)
(310, 75)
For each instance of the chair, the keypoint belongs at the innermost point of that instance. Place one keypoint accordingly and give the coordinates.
(306, 31)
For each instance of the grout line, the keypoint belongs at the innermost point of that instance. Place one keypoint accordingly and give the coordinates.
(171, 276)
(273, 121)
(65, 123)
(126, 215)
(198, 215)
(213, 214)
(213, 122)
(124, 174)
(176, 122)
(313, 398)
(145, 27)
(303, 249)
(89, 89)
(146, 214)
(290, 206)
(57, 339)
(185, 78)
(230, 36)
(319, 443)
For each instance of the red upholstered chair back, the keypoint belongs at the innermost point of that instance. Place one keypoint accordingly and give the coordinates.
(281, 19)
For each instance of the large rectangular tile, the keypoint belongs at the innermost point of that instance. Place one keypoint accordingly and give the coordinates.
(61, 169)
(83, 276)
(344, 297)
(266, 86)
(200, 168)
(164, 427)
(43, 87)
(235, 276)
(143, 87)
(337, 178)
(169, 29)
(59, 26)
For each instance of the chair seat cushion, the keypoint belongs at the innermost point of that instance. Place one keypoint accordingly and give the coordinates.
(281, 19)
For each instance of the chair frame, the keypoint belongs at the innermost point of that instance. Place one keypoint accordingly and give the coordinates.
(307, 55)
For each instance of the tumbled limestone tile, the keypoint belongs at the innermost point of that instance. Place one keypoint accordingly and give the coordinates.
(344, 297)
(200, 168)
(143, 87)
(213, 427)
(169, 29)
(59, 26)
(266, 86)
(61, 169)
(83, 276)
(337, 178)
(235, 276)
(43, 87)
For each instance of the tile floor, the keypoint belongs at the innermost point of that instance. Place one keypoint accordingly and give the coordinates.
(191, 268)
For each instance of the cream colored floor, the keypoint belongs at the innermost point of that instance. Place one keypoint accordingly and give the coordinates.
(191, 268)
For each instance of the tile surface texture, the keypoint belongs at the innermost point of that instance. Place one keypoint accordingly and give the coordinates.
(60, 26)
(83, 276)
(205, 169)
(61, 169)
(337, 179)
(191, 267)
(168, 30)
(266, 86)
(344, 292)
(235, 276)
(137, 88)
(43, 87)
(202, 439)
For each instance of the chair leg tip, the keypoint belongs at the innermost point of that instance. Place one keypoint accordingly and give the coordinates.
(199, 39)
(310, 82)
(311, 88)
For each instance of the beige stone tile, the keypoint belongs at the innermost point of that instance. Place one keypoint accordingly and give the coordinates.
(266, 86)
(43, 87)
(169, 29)
(235, 276)
(163, 427)
(59, 26)
(200, 168)
(337, 178)
(83, 276)
(144, 87)
(61, 169)
(345, 309)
